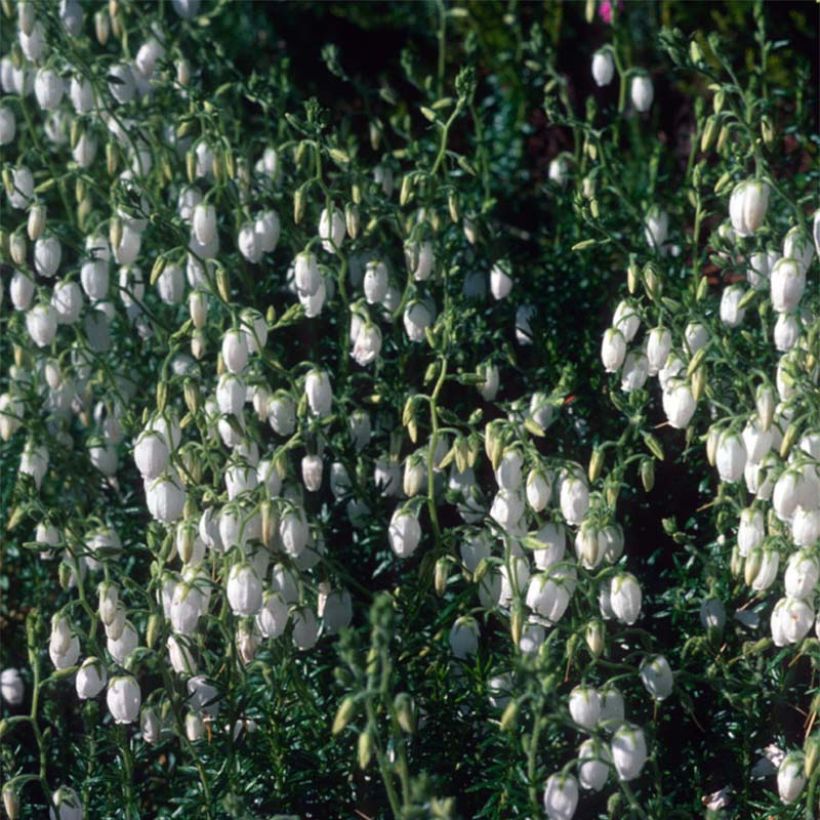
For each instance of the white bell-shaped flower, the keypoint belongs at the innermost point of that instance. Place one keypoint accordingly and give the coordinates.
(124, 699)
(625, 597)
(560, 796)
(585, 706)
(656, 676)
(628, 751)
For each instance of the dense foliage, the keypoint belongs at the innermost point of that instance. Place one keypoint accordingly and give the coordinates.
(409, 409)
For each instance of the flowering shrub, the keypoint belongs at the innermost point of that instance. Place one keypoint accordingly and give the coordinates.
(406, 452)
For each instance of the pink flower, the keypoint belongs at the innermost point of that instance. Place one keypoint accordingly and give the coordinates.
(605, 10)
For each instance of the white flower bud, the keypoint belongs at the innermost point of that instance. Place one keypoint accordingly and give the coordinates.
(802, 574)
(67, 301)
(247, 640)
(659, 345)
(306, 274)
(94, 279)
(805, 526)
(757, 441)
(731, 314)
(41, 324)
(171, 284)
(187, 606)
(194, 725)
(679, 404)
(91, 679)
(47, 255)
(84, 151)
(367, 344)
(603, 67)
(751, 531)
(786, 495)
(67, 805)
(612, 708)
(23, 188)
(613, 350)
(268, 228)
(48, 88)
(231, 392)
(791, 621)
(627, 320)
(760, 265)
(203, 697)
(554, 538)
(282, 414)
(122, 83)
(558, 170)
(244, 590)
(508, 473)
(549, 593)
(786, 332)
(464, 635)
(594, 761)
(81, 94)
(332, 229)
(560, 796)
(585, 706)
(151, 454)
(336, 610)
(635, 371)
(235, 351)
(147, 57)
(180, 656)
(515, 576)
(305, 628)
(240, 477)
(538, 490)
(312, 472)
(628, 752)
(696, 336)
(625, 598)
(375, 282)
(748, 205)
(12, 687)
(198, 308)
(791, 778)
(248, 243)
(404, 533)
(797, 245)
(319, 392)
(761, 568)
(150, 726)
(730, 456)
(165, 498)
(488, 389)
(8, 125)
(272, 618)
(417, 317)
(574, 499)
(788, 282)
(500, 280)
(293, 532)
(420, 259)
(641, 92)
(21, 290)
(204, 223)
(589, 545)
(656, 677)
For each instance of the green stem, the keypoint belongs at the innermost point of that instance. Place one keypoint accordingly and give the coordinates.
(532, 762)
(442, 45)
(431, 452)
